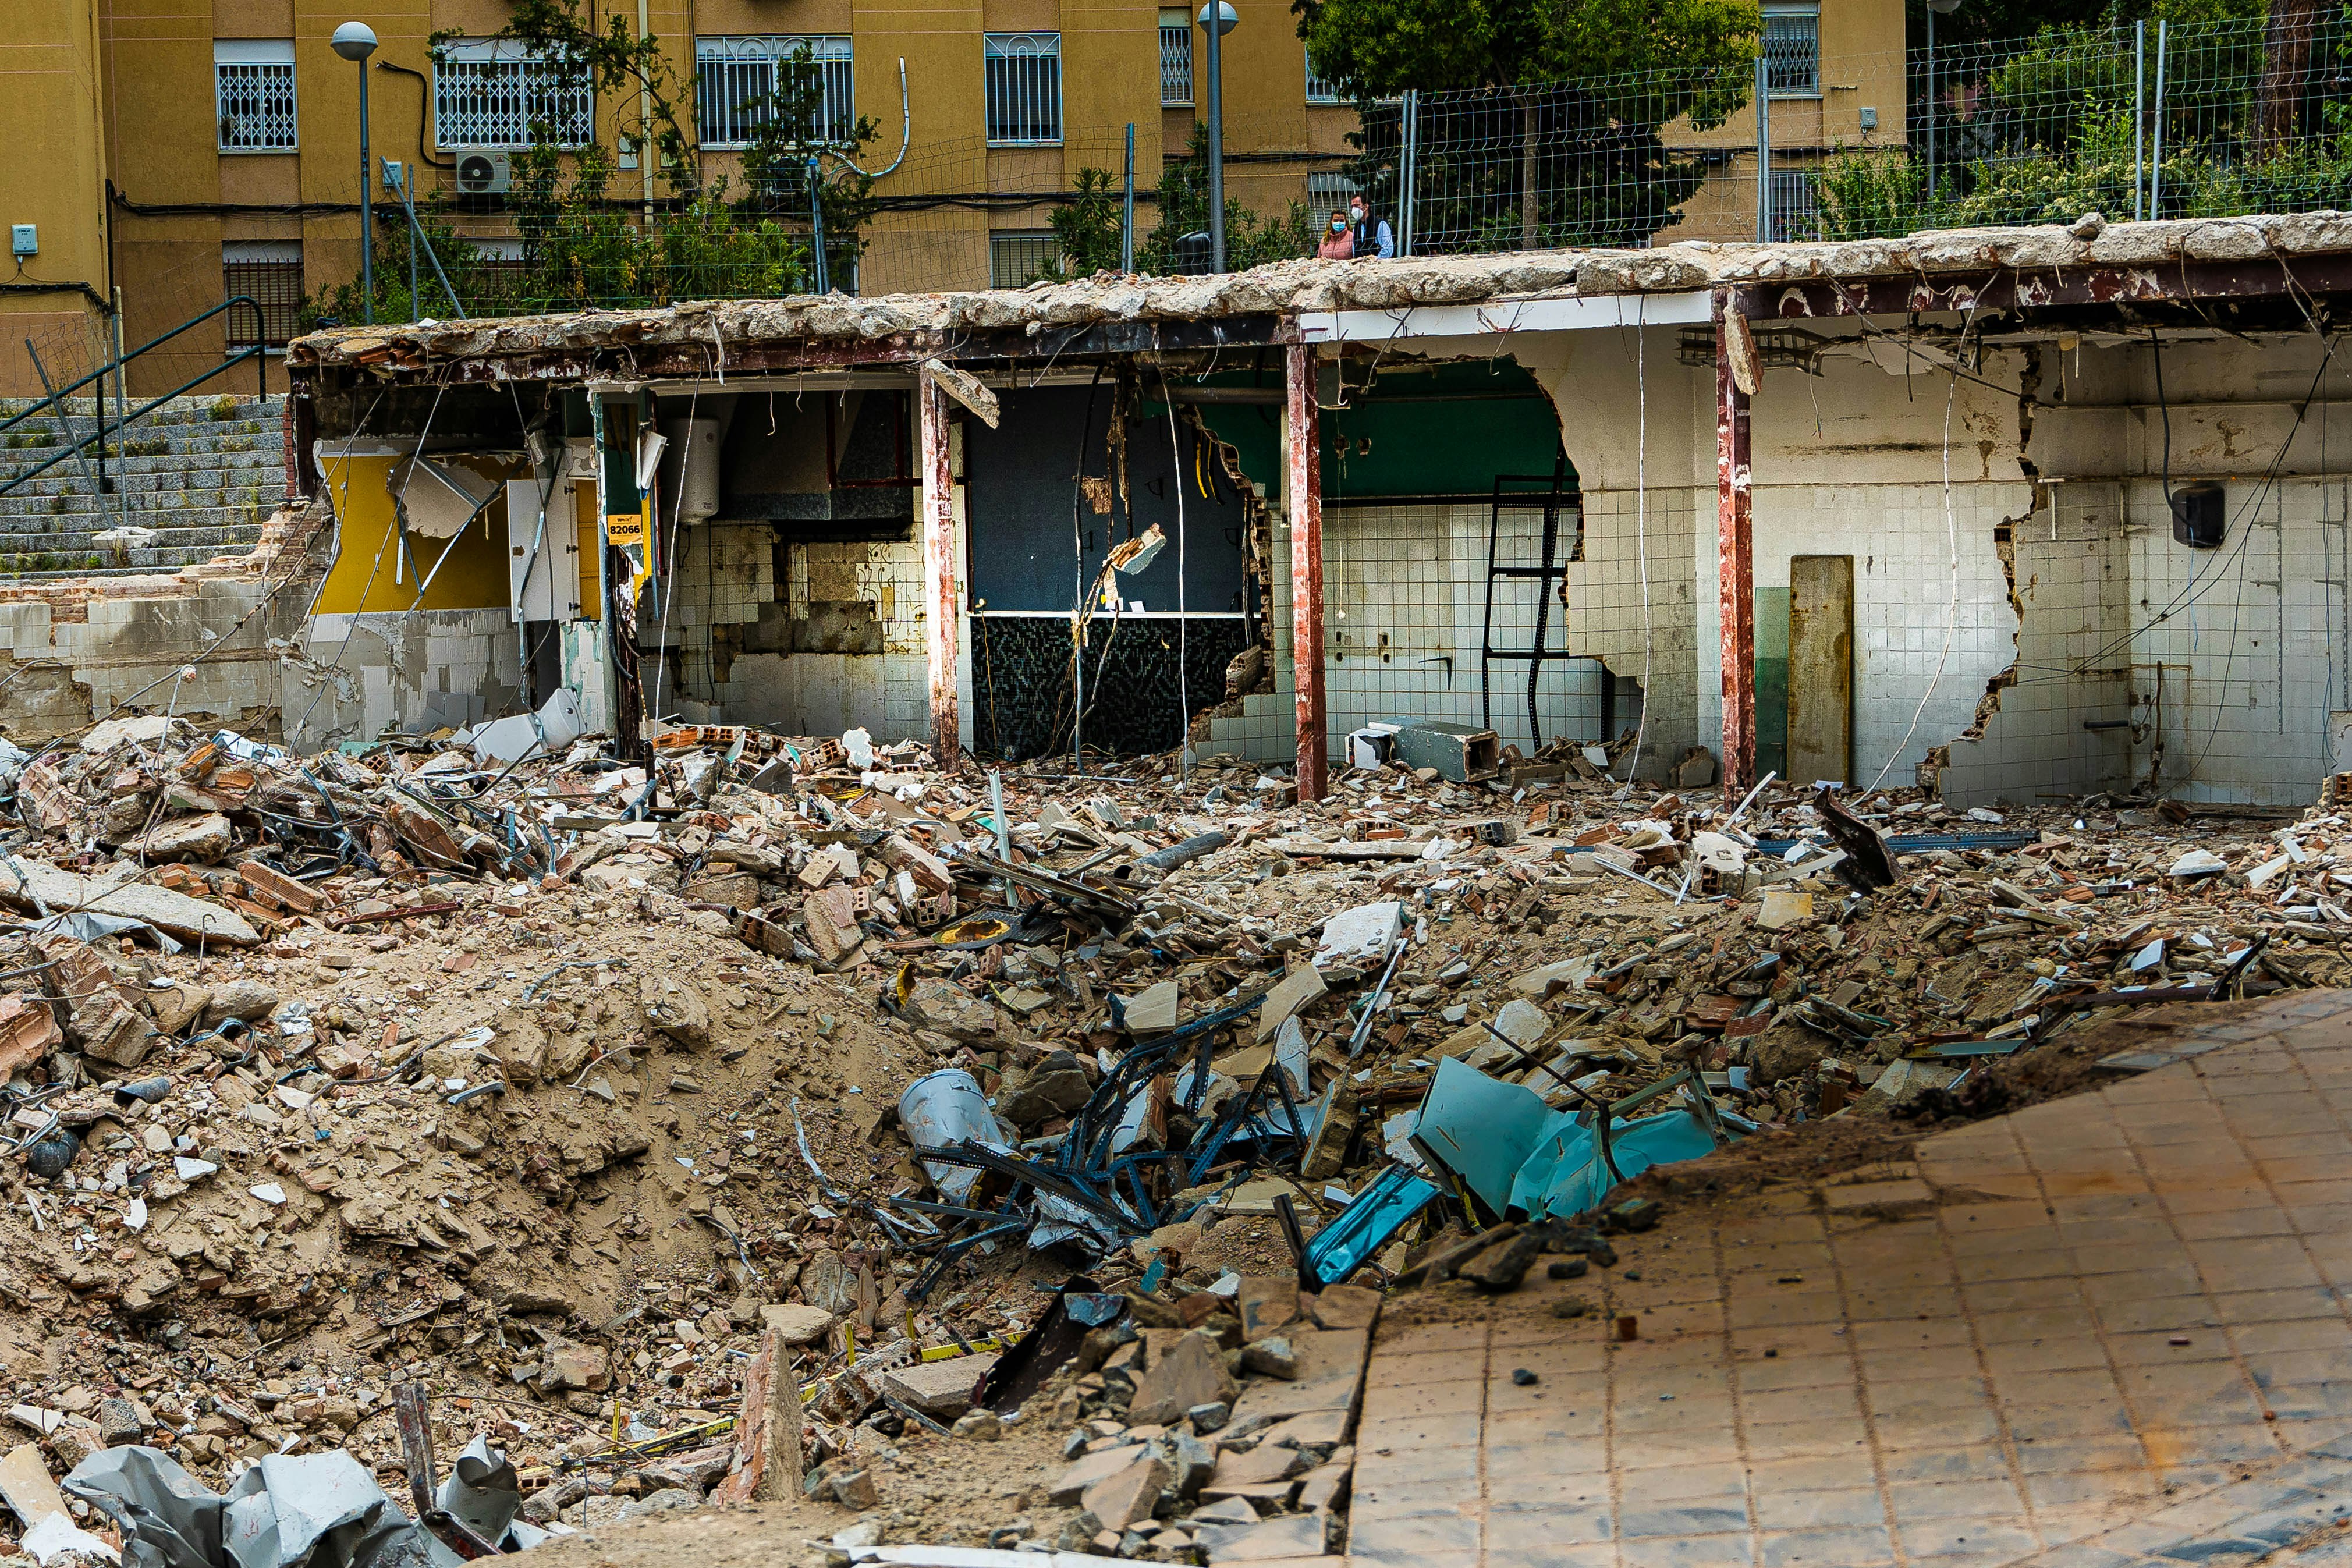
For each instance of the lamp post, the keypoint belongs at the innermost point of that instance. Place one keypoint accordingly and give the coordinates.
(1225, 18)
(1935, 9)
(355, 41)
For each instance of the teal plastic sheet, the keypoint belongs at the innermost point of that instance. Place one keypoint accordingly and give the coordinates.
(1523, 1158)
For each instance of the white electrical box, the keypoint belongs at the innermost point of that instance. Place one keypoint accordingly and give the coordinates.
(25, 239)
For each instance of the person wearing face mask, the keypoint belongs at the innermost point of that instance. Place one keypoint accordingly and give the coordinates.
(1339, 240)
(1374, 235)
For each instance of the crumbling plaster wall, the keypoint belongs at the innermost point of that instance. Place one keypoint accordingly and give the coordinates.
(2227, 666)
(72, 654)
(353, 677)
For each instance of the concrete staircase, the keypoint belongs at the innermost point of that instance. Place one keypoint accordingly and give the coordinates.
(203, 472)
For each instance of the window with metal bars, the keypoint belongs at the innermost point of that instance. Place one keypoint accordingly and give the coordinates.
(1792, 50)
(1025, 87)
(733, 77)
(253, 94)
(1319, 90)
(1796, 204)
(1175, 58)
(1015, 260)
(489, 92)
(270, 272)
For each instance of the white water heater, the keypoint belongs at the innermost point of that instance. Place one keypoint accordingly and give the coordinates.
(689, 470)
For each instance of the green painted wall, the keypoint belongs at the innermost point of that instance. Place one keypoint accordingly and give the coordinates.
(1771, 680)
(1443, 429)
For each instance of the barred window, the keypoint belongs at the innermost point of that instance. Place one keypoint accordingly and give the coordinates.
(1175, 57)
(270, 271)
(1023, 86)
(489, 92)
(1796, 204)
(1327, 194)
(1792, 50)
(1015, 258)
(733, 76)
(1319, 90)
(253, 94)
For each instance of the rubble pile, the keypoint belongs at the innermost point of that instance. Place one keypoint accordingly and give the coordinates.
(608, 1096)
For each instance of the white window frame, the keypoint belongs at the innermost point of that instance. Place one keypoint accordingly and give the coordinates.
(500, 67)
(1318, 90)
(259, 68)
(1006, 51)
(1177, 84)
(1808, 11)
(765, 52)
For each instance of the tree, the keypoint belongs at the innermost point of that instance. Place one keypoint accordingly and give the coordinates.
(622, 64)
(1591, 163)
(791, 139)
(1250, 240)
(1088, 226)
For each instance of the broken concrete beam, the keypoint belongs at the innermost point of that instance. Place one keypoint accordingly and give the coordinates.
(35, 884)
(1290, 994)
(1122, 1498)
(1191, 1372)
(767, 1462)
(941, 1390)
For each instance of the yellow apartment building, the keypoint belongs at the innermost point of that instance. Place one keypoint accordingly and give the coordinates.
(182, 151)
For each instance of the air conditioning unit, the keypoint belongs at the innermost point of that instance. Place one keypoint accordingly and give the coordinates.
(484, 173)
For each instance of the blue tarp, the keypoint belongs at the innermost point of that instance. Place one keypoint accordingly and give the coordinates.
(1522, 1157)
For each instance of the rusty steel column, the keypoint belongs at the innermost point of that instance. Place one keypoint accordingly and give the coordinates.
(939, 598)
(1734, 562)
(1302, 493)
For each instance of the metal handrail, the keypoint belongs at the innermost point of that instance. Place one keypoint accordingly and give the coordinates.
(257, 351)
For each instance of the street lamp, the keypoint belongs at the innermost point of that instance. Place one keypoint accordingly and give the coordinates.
(355, 41)
(1225, 18)
(1935, 8)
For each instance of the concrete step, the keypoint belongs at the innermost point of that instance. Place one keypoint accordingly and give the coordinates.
(179, 411)
(221, 532)
(108, 563)
(214, 476)
(81, 527)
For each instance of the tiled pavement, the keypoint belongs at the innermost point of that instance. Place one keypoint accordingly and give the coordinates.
(2121, 1331)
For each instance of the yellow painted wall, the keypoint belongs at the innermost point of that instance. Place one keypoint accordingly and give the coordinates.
(370, 573)
(53, 176)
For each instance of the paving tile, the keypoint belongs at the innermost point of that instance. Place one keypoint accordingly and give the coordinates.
(1793, 1372)
(1973, 1541)
(1843, 1508)
(2119, 1453)
(1921, 1501)
(1696, 1445)
(1551, 1554)
(1684, 1552)
(1679, 1483)
(1977, 1462)
(1851, 1548)
(1388, 1466)
(1413, 1540)
(1801, 1439)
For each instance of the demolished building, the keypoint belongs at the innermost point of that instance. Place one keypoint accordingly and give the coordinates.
(2011, 507)
(2005, 509)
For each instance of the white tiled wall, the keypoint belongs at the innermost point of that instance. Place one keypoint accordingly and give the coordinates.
(724, 574)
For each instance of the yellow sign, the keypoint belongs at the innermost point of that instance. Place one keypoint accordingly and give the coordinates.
(625, 529)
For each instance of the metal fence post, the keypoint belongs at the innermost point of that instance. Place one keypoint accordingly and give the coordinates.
(2139, 118)
(1763, 150)
(2156, 148)
(1126, 219)
(1407, 171)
